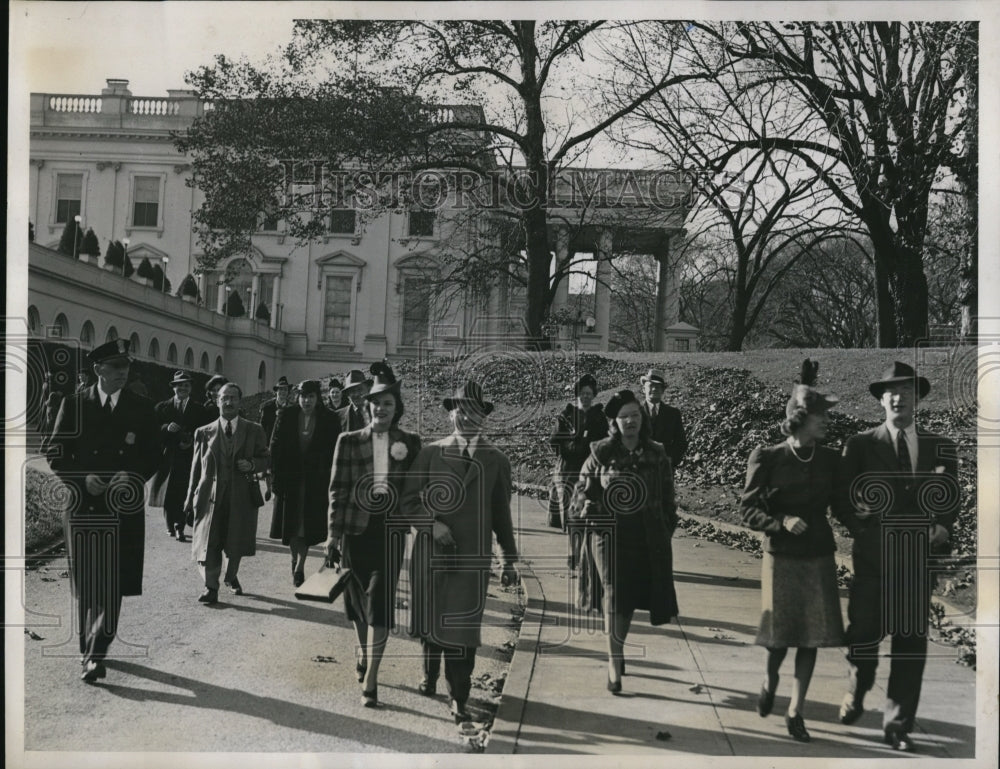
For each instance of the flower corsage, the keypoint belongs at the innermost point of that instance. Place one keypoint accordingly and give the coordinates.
(398, 451)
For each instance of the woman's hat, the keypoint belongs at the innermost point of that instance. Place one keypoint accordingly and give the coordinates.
(180, 377)
(653, 375)
(384, 381)
(332, 382)
(805, 396)
(897, 373)
(309, 387)
(471, 394)
(282, 382)
(218, 379)
(617, 401)
(355, 378)
(587, 380)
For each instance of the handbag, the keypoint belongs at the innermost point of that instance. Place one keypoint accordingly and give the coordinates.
(325, 585)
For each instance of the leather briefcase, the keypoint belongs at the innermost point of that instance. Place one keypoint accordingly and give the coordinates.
(325, 585)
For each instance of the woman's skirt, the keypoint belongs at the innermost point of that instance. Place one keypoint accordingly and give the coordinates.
(375, 560)
(800, 603)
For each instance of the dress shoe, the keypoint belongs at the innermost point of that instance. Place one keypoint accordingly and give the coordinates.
(899, 740)
(765, 700)
(171, 532)
(797, 728)
(851, 708)
(298, 578)
(234, 585)
(615, 687)
(427, 687)
(209, 596)
(180, 534)
(92, 671)
(459, 712)
(370, 699)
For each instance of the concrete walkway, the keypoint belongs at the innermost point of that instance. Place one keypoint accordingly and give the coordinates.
(695, 680)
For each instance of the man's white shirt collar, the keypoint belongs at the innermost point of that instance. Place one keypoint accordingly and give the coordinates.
(234, 421)
(462, 442)
(104, 396)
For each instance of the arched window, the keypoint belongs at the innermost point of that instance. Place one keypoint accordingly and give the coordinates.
(240, 275)
(112, 334)
(34, 321)
(189, 358)
(154, 349)
(172, 353)
(60, 327)
(87, 334)
(261, 377)
(218, 364)
(134, 345)
(204, 361)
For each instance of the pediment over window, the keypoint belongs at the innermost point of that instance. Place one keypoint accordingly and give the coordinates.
(417, 262)
(340, 259)
(145, 251)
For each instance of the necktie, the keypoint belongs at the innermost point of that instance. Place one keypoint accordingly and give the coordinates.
(107, 407)
(229, 429)
(465, 453)
(904, 453)
(656, 410)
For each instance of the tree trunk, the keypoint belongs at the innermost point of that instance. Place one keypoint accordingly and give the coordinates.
(909, 288)
(738, 329)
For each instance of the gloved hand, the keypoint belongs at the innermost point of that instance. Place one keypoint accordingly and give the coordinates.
(510, 576)
(332, 555)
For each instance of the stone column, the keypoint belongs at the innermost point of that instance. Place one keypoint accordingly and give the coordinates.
(275, 291)
(220, 299)
(660, 323)
(254, 295)
(603, 309)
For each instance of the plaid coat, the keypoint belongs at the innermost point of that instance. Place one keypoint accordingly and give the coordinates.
(352, 477)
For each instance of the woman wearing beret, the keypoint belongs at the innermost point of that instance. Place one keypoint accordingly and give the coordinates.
(579, 425)
(302, 444)
(625, 499)
(369, 467)
(789, 488)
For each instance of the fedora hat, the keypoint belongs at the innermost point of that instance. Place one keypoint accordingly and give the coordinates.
(218, 379)
(897, 373)
(355, 378)
(653, 375)
(180, 377)
(384, 380)
(282, 382)
(470, 393)
(116, 348)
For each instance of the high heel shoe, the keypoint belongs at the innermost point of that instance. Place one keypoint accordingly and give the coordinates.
(797, 728)
(615, 687)
(370, 699)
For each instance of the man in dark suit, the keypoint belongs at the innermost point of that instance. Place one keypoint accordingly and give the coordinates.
(353, 416)
(104, 447)
(898, 495)
(665, 421)
(179, 417)
(268, 417)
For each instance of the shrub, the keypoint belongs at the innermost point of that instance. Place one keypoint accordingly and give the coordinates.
(71, 239)
(159, 278)
(234, 306)
(145, 269)
(189, 287)
(263, 313)
(116, 257)
(90, 247)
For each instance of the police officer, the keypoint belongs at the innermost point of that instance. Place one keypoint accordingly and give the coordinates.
(104, 447)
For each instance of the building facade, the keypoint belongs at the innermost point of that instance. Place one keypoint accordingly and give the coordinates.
(356, 295)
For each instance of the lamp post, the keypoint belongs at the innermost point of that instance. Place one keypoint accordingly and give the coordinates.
(76, 234)
(125, 242)
(164, 281)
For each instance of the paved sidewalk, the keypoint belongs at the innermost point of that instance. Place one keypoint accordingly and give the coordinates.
(697, 679)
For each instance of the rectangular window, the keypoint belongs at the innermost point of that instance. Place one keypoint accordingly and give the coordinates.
(416, 310)
(337, 309)
(342, 221)
(69, 193)
(682, 345)
(422, 224)
(147, 201)
(269, 222)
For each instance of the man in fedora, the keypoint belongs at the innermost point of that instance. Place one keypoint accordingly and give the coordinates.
(105, 445)
(664, 421)
(269, 411)
(178, 418)
(354, 415)
(457, 495)
(898, 495)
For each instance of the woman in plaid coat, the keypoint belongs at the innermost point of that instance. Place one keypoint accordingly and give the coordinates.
(369, 466)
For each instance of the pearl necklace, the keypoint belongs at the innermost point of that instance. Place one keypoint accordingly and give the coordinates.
(796, 455)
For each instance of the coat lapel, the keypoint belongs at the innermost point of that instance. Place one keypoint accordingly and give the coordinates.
(884, 447)
(213, 442)
(239, 438)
